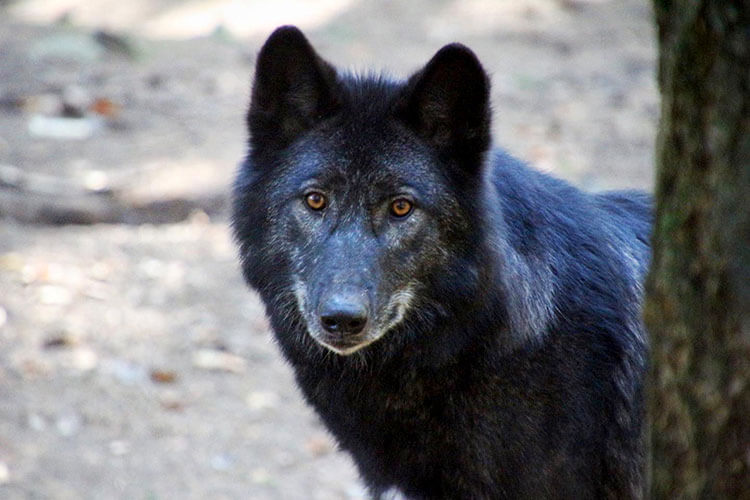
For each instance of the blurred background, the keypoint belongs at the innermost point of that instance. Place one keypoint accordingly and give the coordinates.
(133, 361)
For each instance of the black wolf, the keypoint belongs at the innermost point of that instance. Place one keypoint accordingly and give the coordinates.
(465, 326)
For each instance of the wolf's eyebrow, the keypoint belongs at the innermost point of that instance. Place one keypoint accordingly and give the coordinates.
(310, 183)
(389, 189)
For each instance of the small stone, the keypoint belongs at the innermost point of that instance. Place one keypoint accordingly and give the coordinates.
(96, 180)
(10, 261)
(63, 128)
(119, 447)
(262, 400)
(100, 271)
(84, 359)
(4, 473)
(37, 422)
(125, 372)
(221, 462)
(68, 425)
(29, 274)
(54, 295)
(260, 476)
(213, 360)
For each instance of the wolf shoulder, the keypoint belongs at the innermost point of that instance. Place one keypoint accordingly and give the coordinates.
(535, 205)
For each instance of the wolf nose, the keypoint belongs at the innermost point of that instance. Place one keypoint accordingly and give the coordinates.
(343, 317)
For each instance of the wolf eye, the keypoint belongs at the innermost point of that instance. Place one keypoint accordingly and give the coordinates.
(316, 201)
(401, 207)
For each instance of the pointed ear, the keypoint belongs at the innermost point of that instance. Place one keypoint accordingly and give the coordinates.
(292, 91)
(447, 103)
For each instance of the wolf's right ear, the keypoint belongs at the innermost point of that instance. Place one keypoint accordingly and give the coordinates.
(293, 89)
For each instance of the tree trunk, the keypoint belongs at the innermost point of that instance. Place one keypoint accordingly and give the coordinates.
(698, 290)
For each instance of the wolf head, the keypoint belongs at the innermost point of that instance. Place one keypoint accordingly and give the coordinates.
(355, 208)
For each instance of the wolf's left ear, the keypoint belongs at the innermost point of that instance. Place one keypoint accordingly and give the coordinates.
(447, 103)
(292, 91)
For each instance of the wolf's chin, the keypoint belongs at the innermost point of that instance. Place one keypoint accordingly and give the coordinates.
(346, 348)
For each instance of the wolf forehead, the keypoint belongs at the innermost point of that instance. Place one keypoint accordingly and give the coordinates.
(379, 160)
(362, 144)
(368, 98)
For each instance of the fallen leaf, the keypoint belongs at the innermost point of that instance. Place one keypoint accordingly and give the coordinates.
(163, 376)
(105, 107)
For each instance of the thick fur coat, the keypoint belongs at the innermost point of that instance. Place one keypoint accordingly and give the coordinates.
(465, 326)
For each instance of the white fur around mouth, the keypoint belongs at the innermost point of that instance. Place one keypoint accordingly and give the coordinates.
(343, 351)
(399, 301)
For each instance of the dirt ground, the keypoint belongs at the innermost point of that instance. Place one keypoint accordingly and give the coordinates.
(134, 363)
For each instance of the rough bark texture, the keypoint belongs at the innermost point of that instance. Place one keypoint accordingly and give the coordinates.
(698, 291)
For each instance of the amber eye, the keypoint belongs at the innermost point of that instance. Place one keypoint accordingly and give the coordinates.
(401, 207)
(315, 200)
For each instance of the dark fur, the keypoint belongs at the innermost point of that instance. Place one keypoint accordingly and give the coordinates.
(516, 371)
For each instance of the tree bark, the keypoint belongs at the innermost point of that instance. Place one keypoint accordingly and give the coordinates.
(698, 290)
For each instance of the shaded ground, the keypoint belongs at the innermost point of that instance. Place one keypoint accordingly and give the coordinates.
(133, 362)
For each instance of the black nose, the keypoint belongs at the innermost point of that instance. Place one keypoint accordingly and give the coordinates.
(344, 315)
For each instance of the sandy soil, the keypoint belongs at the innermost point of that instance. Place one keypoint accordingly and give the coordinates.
(133, 361)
